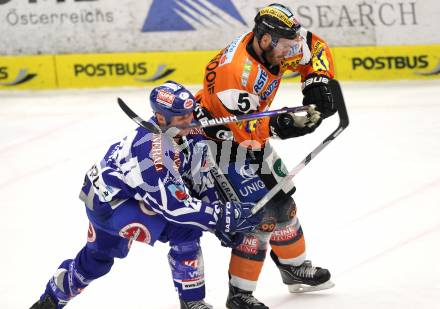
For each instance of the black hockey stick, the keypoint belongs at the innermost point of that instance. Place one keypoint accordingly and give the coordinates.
(343, 123)
(144, 124)
(203, 123)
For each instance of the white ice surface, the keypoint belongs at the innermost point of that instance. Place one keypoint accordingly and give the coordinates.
(369, 203)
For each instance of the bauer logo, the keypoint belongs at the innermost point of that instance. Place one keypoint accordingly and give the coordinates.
(175, 15)
(23, 76)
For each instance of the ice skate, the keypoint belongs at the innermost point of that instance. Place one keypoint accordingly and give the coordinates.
(46, 303)
(303, 278)
(198, 304)
(241, 299)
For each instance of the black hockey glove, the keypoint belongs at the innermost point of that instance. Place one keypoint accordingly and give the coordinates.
(233, 220)
(237, 217)
(289, 125)
(228, 239)
(316, 90)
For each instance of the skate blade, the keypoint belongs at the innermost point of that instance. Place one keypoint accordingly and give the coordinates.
(304, 288)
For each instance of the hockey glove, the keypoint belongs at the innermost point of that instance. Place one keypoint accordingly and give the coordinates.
(236, 217)
(289, 125)
(228, 239)
(316, 90)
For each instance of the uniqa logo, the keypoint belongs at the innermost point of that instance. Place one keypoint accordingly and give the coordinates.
(22, 77)
(187, 15)
(248, 173)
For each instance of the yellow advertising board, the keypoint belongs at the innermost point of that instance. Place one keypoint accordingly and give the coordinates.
(131, 69)
(187, 67)
(27, 72)
(387, 62)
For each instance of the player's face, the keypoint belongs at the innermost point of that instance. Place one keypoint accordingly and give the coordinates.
(281, 50)
(183, 120)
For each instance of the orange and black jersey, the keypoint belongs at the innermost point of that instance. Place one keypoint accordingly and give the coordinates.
(237, 83)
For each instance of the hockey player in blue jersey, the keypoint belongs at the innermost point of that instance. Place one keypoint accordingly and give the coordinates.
(152, 187)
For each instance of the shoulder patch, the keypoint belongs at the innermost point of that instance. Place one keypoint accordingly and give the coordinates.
(247, 68)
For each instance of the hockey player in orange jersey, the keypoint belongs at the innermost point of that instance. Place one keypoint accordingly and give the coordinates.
(244, 78)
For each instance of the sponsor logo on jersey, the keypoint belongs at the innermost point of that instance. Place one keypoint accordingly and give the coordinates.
(22, 77)
(191, 263)
(285, 234)
(193, 283)
(136, 232)
(390, 62)
(249, 245)
(224, 135)
(247, 173)
(229, 52)
(268, 225)
(269, 90)
(175, 15)
(211, 74)
(156, 152)
(246, 180)
(261, 80)
(247, 67)
(279, 168)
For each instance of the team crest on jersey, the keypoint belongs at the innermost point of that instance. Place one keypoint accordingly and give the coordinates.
(178, 191)
(136, 232)
(249, 126)
(319, 60)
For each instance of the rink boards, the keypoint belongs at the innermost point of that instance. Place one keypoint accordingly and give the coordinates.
(151, 68)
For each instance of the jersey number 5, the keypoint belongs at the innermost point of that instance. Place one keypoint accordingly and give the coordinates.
(243, 102)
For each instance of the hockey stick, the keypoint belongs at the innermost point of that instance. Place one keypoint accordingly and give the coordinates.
(205, 123)
(144, 124)
(343, 123)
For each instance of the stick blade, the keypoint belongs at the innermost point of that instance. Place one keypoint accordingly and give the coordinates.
(133, 116)
(336, 90)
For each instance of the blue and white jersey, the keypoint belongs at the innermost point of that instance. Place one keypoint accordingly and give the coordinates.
(171, 179)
